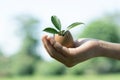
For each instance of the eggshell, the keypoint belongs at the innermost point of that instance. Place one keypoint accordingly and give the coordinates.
(66, 40)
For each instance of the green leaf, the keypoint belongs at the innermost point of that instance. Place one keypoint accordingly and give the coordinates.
(74, 25)
(56, 22)
(51, 30)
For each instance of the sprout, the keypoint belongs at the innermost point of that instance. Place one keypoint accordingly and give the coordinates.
(57, 24)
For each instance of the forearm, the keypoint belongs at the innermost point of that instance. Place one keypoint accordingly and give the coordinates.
(111, 50)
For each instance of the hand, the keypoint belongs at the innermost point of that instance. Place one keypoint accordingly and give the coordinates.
(84, 49)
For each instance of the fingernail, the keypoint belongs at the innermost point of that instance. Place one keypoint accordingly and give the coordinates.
(48, 37)
(43, 37)
(52, 41)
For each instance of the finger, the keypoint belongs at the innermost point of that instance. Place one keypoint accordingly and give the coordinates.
(44, 42)
(52, 41)
(80, 42)
(53, 53)
(43, 39)
(63, 50)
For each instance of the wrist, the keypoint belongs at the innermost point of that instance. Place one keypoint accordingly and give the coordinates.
(103, 48)
(108, 49)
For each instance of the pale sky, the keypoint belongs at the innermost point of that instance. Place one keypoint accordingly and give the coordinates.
(67, 10)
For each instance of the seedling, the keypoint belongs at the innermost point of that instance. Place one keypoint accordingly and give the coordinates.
(61, 36)
(57, 30)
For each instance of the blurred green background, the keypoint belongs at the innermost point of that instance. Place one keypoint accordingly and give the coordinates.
(22, 55)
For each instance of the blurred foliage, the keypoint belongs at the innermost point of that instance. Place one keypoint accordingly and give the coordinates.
(50, 68)
(105, 28)
(101, 29)
(79, 69)
(23, 63)
(29, 31)
(4, 65)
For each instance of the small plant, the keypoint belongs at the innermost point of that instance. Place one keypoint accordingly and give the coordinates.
(62, 36)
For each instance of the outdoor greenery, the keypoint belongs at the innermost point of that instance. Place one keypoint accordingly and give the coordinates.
(27, 64)
(68, 77)
(106, 29)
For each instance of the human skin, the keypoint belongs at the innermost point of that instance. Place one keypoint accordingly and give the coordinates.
(83, 50)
